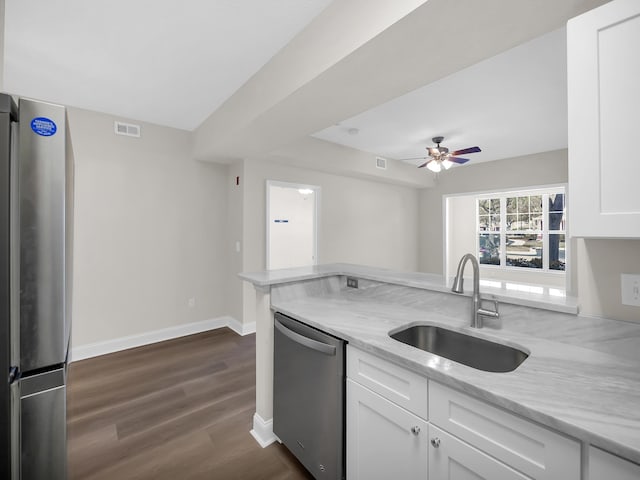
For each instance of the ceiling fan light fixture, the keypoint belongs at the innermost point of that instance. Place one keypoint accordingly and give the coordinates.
(434, 166)
(441, 157)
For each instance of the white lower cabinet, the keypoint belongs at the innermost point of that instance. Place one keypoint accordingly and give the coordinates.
(526, 447)
(603, 465)
(403, 426)
(453, 459)
(384, 441)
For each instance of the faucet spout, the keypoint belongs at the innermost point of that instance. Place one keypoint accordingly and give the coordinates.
(477, 312)
(458, 281)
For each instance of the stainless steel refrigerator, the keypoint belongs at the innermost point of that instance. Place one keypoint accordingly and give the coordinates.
(36, 221)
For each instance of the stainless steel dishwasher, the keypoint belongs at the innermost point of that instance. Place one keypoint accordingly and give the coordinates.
(308, 396)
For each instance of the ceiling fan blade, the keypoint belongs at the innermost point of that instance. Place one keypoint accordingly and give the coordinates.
(466, 150)
(425, 163)
(458, 160)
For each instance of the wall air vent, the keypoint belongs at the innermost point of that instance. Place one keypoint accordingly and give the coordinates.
(381, 163)
(127, 129)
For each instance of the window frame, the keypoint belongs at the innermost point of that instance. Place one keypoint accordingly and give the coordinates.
(545, 232)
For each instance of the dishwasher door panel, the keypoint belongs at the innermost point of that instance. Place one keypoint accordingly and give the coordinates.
(308, 404)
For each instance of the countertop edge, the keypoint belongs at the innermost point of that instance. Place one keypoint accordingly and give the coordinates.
(424, 281)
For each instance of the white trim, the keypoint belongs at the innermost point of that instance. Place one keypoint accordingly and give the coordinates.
(506, 190)
(262, 431)
(241, 328)
(446, 268)
(123, 343)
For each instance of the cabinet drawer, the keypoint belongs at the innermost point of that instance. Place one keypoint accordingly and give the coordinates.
(608, 466)
(523, 445)
(401, 386)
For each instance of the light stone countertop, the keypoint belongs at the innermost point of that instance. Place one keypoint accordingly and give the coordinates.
(582, 376)
(519, 294)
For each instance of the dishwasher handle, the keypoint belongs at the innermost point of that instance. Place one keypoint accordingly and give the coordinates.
(305, 341)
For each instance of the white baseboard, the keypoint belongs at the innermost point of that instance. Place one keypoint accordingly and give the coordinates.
(241, 328)
(117, 344)
(263, 431)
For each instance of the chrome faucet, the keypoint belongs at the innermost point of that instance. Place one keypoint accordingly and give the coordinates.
(477, 312)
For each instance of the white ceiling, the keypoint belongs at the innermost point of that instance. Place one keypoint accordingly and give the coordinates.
(160, 61)
(512, 104)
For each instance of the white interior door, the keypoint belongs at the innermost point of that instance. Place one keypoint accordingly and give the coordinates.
(292, 212)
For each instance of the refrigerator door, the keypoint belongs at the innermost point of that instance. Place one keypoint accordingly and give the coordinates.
(14, 450)
(7, 114)
(44, 431)
(44, 268)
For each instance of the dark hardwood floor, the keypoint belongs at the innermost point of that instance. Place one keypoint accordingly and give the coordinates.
(180, 409)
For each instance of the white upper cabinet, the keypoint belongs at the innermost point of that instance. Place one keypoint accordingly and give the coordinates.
(604, 121)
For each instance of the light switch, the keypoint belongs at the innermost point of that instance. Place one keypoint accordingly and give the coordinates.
(630, 289)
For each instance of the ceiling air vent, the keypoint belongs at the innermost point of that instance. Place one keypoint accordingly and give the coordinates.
(127, 129)
(381, 163)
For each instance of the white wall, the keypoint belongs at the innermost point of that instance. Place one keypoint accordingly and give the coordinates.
(235, 218)
(150, 231)
(360, 221)
(461, 229)
(599, 265)
(531, 170)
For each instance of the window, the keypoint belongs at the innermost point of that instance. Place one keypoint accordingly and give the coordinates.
(524, 229)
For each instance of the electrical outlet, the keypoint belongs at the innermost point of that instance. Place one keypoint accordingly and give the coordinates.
(191, 302)
(630, 289)
(352, 282)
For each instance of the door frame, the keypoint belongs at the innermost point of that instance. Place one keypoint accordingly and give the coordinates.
(316, 213)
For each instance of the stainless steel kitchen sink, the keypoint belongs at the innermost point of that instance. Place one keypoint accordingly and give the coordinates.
(471, 351)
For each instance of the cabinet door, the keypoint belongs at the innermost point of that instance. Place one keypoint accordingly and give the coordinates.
(604, 101)
(384, 441)
(603, 465)
(529, 448)
(452, 459)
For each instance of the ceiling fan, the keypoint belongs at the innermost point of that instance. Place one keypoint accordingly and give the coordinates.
(442, 158)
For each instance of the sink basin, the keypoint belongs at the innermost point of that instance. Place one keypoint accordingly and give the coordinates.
(471, 351)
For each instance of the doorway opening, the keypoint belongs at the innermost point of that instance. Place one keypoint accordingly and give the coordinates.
(292, 225)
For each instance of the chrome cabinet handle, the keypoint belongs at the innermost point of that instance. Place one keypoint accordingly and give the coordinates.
(435, 442)
(415, 430)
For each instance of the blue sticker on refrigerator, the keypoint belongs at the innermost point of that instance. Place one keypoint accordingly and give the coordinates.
(44, 126)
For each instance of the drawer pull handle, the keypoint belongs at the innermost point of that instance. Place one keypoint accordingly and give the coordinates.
(415, 430)
(435, 442)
